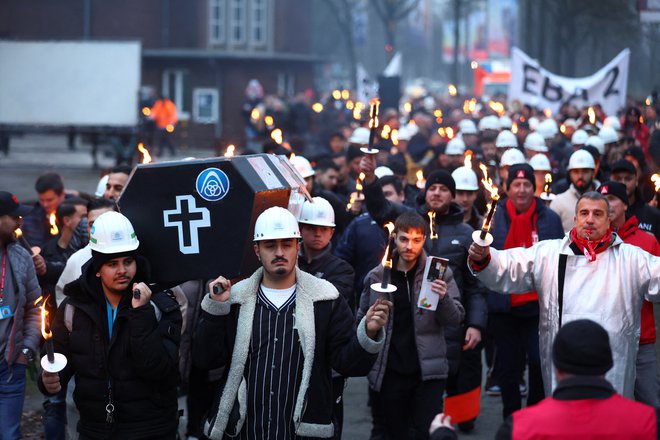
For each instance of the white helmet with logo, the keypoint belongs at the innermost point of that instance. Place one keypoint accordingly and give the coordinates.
(383, 171)
(511, 156)
(505, 122)
(303, 166)
(612, 121)
(581, 159)
(535, 142)
(465, 178)
(608, 135)
(506, 139)
(548, 129)
(360, 136)
(490, 122)
(274, 224)
(597, 143)
(455, 147)
(540, 162)
(466, 126)
(113, 233)
(579, 137)
(318, 212)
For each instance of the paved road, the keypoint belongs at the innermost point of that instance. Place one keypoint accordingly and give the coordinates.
(35, 154)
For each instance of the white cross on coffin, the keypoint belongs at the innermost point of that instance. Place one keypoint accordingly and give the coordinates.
(187, 221)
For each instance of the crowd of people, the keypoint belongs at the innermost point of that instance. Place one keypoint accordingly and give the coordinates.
(554, 294)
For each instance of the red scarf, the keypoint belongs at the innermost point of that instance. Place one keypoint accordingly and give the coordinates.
(591, 248)
(521, 234)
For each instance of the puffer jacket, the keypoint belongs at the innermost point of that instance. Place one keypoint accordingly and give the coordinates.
(137, 367)
(23, 330)
(429, 325)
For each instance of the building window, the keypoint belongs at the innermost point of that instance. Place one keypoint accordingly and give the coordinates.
(286, 84)
(217, 21)
(205, 106)
(258, 22)
(237, 20)
(176, 86)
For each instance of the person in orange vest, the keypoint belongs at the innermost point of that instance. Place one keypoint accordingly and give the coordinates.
(164, 115)
(584, 404)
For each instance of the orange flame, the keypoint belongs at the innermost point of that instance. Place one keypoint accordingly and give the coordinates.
(374, 108)
(52, 219)
(452, 90)
(514, 128)
(450, 132)
(276, 135)
(358, 182)
(170, 128)
(47, 334)
(146, 156)
(488, 183)
(592, 115)
(146, 111)
(18, 232)
(390, 229)
(254, 114)
(468, 159)
(420, 179)
(547, 112)
(269, 120)
(656, 180)
(230, 150)
(548, 181)
(434, 234)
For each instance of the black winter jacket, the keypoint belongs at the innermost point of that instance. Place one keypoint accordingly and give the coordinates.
(139, 363)
(332, 269)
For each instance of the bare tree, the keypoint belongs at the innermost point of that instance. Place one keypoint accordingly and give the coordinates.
(343, 11)
(390, 12)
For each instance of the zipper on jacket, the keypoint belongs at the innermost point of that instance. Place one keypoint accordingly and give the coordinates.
(110, 407)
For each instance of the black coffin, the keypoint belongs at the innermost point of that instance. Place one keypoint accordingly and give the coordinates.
(195, 218)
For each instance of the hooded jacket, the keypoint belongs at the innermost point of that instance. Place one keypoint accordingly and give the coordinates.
(137, 366)
(328, 338)
(609, 291)
(429, 325)
(23, 329)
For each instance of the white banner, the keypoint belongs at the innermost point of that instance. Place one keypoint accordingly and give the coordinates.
(534, 85)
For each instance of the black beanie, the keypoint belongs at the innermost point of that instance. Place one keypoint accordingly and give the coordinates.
(521, 171)
(617, 189)
(98, 258)
(582, 347)
(443, 177)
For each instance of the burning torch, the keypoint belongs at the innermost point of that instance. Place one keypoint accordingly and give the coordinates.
(547, 194)
(357, 195)
(656, 180)
(484, 237)
(434, 233)
(374, 109)
(52, 362)
(384, 286)
(146, 157)
(421, 181)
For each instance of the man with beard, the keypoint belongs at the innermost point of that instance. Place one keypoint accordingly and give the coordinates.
(581, 168)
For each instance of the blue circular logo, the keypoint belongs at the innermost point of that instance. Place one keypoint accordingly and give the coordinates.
(212, 184)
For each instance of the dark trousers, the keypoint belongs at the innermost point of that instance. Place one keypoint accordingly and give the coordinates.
(408, 405)
(338, 409)
(513, 334)
(201, 393)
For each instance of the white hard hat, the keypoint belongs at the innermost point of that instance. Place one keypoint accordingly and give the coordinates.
(540, 162)
(100, 188)
(612, 121)
(302, 165)
(467, 126)
(579, 137)
(570, 122)
(360, 136)
(533, 123)
(276, 223)
(505, 122)
(535, 142)
(404, 133)
(490, 122)
(597, 143)
(383, 171)
(608, 135)
(506, 139)
(511, 156)
(581, 159)
(455, 146)
(318, 212)
(548, 129)
(465, 178)
(113, 233)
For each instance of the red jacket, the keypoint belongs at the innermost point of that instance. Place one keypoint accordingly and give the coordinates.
(631, 234)
(582, 408)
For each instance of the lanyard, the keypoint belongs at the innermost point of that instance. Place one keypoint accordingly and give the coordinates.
(2, 278)
(112, 314)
